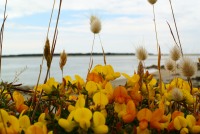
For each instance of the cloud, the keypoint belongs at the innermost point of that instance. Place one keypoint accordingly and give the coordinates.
(125, 24)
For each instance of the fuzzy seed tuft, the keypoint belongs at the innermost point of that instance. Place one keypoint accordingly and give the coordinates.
(95, 24)
(175, 53)
(141, 53)
(188, 67)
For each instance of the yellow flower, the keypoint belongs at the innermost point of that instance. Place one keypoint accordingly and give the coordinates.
(3, 116)
(99, 123)
(120, 109)
(100, 99)
(48, 86)
(83, 117)
(191, 121)
(35, 129)
(91, 87)
(42, 118)
(79, 82)
(131, 80)
(184, 131)
(9, 123)
(180, 122)
(109, 91)
(106, 71)
(68, 124)
(24, 122)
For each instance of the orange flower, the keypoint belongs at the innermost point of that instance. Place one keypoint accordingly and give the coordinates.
(135, 95)
(120, 94)
(130, 114)
(157, 119)
(19, 102)
(144, 116)
(94, 77)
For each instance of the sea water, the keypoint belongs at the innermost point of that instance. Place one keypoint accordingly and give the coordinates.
(25, 70)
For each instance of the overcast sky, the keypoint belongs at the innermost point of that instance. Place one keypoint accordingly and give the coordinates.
(126, 24)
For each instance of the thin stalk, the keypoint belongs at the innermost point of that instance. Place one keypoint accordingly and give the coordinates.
(3, 123)
(176, 27)
(1, 34)
(155, 27)
(158, 49)
(190, 83)
(38, 80)
(91, 56)
(50, 18)
(54, 39)
(172, 34)
(104, 56)
(52, 52)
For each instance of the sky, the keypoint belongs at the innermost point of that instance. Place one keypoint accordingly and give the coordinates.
(126, 24)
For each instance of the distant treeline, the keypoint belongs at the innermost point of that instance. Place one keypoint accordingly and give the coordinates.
(69, 54)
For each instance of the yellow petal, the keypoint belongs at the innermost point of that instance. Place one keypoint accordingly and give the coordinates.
(68, 79)
(184, 131)
(98, 119)
(3, 116)
(120, 107)
(102, 129)
(67, 125)
(91, 87)
(14, 123)
(34, 129)
(191, 120)
(42, 118)
(126, 75)
(180, 122)
(153, 82)
(80, 102)
(100, 99)
(84, 124)
(82, 114)
(22, 121)
(195, 129)
(47, 88)
(18, 98)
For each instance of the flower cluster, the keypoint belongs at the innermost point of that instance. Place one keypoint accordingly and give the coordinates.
(94, 105)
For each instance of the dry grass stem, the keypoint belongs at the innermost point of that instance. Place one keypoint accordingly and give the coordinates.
(176, 27)
(104, 56)
(54, 41)
(91, 56)
(1, 33)
(140, 72)
(172, 34)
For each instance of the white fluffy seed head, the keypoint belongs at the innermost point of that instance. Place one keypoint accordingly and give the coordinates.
(170, 65)
(141, 53)
(95, 24)
(175, 53)
(152, 1)
(188, 67)
(177, 94)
